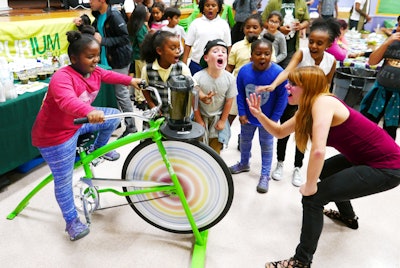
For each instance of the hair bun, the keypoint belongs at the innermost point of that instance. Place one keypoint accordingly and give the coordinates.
(270, 37)
(72, 36)
(88, 29)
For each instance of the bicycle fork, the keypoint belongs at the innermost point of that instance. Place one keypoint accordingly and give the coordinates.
(199, 249)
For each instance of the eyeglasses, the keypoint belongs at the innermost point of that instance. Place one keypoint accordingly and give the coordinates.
(274, 22)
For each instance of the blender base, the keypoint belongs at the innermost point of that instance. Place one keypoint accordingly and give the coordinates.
(196, 132)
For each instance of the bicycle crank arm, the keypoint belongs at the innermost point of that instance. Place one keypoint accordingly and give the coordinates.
(122, 183)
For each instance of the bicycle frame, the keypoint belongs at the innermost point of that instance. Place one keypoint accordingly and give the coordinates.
(199, 248)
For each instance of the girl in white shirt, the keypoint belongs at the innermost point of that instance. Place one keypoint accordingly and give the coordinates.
(208, 27)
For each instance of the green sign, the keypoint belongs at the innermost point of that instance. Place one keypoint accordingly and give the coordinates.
(35, 38)
(388, 7)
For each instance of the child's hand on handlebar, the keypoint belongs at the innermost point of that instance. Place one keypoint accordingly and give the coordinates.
(95, 116)
(138, 83)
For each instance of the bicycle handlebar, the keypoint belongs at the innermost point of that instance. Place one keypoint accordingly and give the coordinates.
(146, 115)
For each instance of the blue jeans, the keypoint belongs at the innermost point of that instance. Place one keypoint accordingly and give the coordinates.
(61, 159)
(266, 143)
(340, 182)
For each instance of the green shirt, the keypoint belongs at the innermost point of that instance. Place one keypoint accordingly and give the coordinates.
(283, 6)
(137, 41)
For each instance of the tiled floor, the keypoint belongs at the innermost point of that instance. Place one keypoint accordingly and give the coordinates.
(258, 227)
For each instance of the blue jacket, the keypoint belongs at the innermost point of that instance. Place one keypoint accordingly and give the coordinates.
(277, 101)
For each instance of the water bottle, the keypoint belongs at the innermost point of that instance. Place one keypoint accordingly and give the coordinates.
(11, 93)
(6, 81)
(2, 92)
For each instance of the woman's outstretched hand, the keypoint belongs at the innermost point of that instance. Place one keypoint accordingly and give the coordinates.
(254, 104)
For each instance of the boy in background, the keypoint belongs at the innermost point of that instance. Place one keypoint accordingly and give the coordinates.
(217, 90)
(328, 8)
(173, 14)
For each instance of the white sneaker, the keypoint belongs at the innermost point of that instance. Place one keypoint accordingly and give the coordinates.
(297, 179)
(277, 173)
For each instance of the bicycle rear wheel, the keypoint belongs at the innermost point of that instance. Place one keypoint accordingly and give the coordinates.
(204, 176)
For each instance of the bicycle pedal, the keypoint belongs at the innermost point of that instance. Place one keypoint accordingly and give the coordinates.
(97, 161)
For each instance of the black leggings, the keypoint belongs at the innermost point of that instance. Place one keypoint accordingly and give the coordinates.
(289, 112)
(340, 182)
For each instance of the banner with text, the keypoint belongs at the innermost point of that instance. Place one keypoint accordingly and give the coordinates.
(35, 38)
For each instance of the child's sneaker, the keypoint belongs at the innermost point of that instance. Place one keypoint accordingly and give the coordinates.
(239, 168)
(278, 172)
(263, 186)
(297, 179)
(110, 156)
(76, 229)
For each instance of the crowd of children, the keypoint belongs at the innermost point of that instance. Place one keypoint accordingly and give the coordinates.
(157, 56)
(248, 79)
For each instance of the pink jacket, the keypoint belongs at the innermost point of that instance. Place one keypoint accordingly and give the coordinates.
(337, 51)
(69, 96)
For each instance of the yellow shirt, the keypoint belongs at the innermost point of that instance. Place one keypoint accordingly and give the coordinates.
(164, 73)
(240, 55)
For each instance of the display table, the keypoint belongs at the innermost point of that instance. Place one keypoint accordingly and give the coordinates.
(361, 44)
(354, 77)
(16, 120)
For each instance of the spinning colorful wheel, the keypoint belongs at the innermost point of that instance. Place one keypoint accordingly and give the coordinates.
(205, 179)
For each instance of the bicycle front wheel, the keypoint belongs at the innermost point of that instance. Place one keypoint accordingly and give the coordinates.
(204, 176)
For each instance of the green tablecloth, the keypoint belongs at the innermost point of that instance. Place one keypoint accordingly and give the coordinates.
(16, 119)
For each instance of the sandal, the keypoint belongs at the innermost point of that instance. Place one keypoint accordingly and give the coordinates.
(290, 263)
(335, 215)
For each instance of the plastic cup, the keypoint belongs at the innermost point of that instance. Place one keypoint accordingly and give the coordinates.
(42, 75)
(295, 22)
(23, 77)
